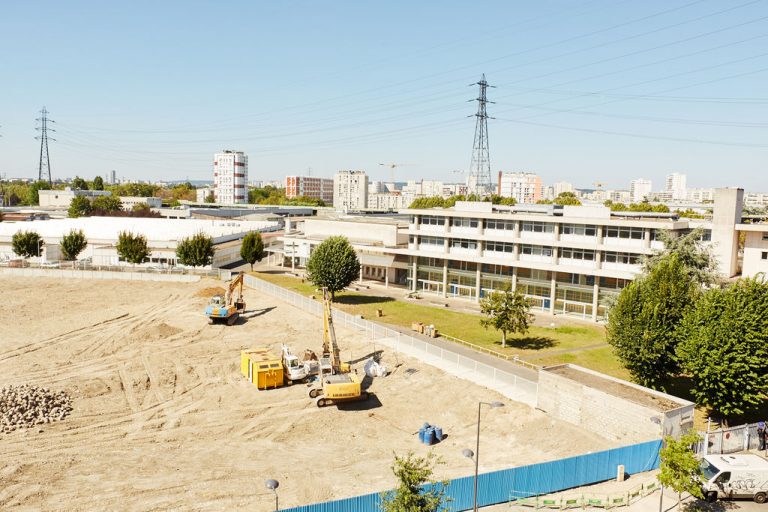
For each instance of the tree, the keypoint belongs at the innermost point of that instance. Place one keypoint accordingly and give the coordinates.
(697, 259)
(80, 206)
(98, 183)
(140, 207)
(33, 192)
(196, 251)
(132, 247)
(643, 323)
(26, 244)
(210, 198)
(507, 311)
(79, 183)
(252, 249)
(416, 491)
(724, 347)
(679, 469)
(73, 244)
(567, 198)
(333, 265)
(107, 203)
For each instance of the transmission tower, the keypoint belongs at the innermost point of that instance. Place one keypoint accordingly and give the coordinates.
(479, 179)
(44, 168)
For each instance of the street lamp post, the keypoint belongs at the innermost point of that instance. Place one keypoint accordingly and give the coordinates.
(476, 455)
(272, 485)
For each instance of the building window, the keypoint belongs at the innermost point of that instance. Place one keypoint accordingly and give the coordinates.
(624, 232)
(765, 255)
(576, 229)
(499, 247)
(578, 254)
(428, 220)
(536, 250)
(464, 223)
(463, 243)
(765, 235)
(506, 225)
(432, 241)
(537, 227)
(621, 257)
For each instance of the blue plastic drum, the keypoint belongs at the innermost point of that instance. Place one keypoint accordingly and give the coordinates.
(438, 434)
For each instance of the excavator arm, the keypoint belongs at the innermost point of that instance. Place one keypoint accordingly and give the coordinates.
(330, 347)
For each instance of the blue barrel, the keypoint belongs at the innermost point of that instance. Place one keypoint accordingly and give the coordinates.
(429, 436)
(438, 434)
(422, 433)
(426, 425)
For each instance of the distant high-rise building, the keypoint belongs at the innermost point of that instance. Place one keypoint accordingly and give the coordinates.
(309, 186)
(230, 177)
(676, 183)
(350, 190)
(112, 177)
(525, 187)
(560, 187)
(639, 189)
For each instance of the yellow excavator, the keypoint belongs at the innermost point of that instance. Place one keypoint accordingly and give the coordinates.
(336, 383)
(227, 308)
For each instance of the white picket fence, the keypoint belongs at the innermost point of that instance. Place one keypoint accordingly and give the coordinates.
(507, 383)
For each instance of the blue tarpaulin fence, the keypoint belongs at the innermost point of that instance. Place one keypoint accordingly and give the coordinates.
(520, 482)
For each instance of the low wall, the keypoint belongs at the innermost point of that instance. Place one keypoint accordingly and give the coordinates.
(507, 383)
(619, 417)
(98, 274)
(521, 482)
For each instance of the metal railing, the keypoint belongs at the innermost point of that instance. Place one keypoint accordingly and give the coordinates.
(512, 358)
(507, 383)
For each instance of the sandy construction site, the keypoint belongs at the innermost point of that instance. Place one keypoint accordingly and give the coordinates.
(162, 418)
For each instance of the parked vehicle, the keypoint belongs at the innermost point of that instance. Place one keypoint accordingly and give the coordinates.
(735, 476)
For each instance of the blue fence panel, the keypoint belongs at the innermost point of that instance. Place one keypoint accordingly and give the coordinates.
(532, 480)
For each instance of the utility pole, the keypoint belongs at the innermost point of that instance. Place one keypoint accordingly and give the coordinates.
(479, 179)
(44, 167)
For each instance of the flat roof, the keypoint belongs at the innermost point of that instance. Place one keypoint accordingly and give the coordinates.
(154, 229)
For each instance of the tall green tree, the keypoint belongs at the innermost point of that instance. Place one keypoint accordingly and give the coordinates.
(333, 265)
(567, 198)
(697, 258)
(33, 195)
(132, 247)
(679, 469)
(80, 206)
(107, 203)
(196, 251)
(507, 311)
(642, 325)
(252, 249)
(27, 244)
(417, 491)
(79, 183)
(725, 347)
(98, 183)
(73, 244)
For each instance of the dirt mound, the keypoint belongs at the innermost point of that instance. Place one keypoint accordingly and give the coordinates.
(210, 291)
(156, 332)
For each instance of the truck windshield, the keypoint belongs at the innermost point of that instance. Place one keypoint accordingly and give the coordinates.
(708, 469)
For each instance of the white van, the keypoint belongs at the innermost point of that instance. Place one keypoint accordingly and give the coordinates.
(735, 476)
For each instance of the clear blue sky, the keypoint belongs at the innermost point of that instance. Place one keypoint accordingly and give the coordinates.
(593, 90)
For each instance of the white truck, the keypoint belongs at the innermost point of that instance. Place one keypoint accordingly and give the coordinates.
(735, 476)
(296, 370)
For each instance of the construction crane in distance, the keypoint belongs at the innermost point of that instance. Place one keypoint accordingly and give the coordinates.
(392, 168)
(599, 184)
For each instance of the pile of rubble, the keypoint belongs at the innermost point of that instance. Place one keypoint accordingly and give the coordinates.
(27, 406)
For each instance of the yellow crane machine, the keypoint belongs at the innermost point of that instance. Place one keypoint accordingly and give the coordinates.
(336, 383)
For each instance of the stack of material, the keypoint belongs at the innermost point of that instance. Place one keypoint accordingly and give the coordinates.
(27, 405)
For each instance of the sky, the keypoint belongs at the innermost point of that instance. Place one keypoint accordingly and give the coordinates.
(585, 90)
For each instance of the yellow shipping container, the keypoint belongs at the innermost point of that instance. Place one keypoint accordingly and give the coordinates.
(262, 368)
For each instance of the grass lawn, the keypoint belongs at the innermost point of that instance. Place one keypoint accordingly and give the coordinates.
(466, 326)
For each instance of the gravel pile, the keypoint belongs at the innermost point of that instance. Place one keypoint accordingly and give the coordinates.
(27, 406)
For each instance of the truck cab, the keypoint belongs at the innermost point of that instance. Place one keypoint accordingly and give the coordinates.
(735, 476)
(295, 371)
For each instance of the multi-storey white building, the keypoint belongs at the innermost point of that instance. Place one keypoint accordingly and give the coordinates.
(230, 177)
(676, 184)
(524, 187)
(700, 195)
(350, 190)
(640, 189)
(560, 187)
(309, 186)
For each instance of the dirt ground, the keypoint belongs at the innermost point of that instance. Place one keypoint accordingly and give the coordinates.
(163, 420)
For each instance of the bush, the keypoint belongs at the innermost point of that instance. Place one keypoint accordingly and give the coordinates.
(27, 244)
